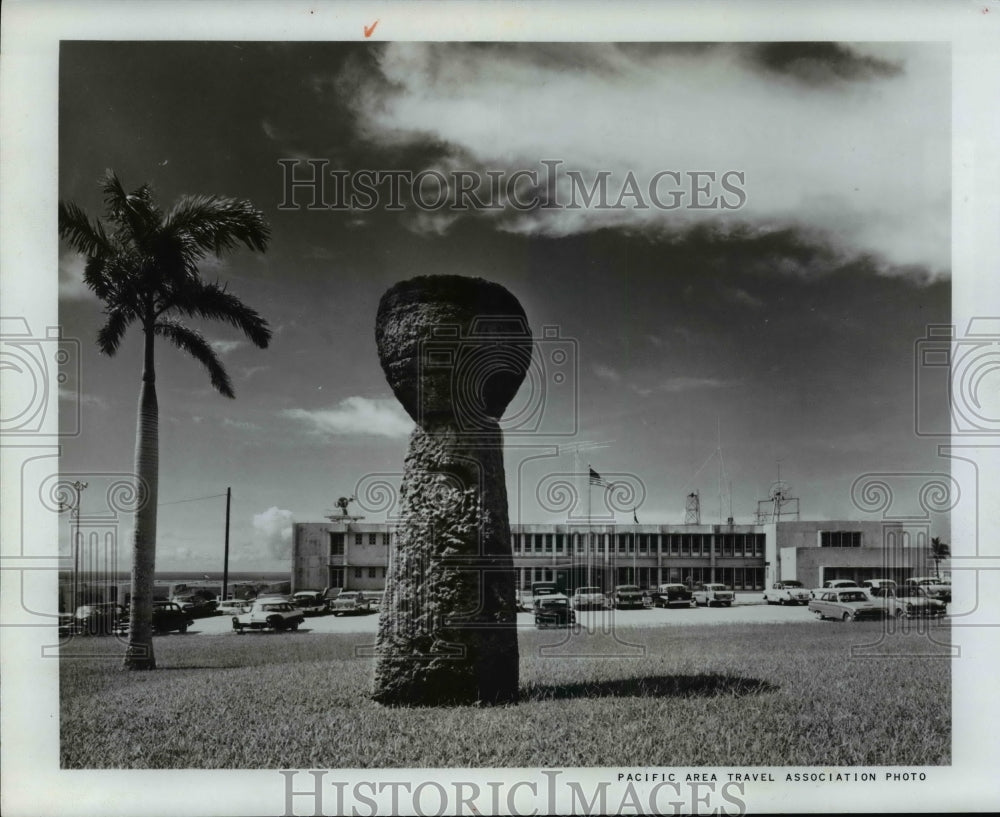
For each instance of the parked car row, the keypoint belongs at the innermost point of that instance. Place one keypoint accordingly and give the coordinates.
(845, 600)
(933, 587)
(108, 618)
(629, 596)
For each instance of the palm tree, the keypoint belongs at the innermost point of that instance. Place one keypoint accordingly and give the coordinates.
(144, 266)
(939, 552)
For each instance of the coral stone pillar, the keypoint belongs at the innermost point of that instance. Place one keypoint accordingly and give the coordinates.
(454, 350)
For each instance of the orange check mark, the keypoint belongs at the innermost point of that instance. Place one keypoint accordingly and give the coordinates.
(369, 30)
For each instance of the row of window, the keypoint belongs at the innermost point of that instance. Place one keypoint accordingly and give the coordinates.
(337, 574)
(677, 544)
(339, 540)
(840, 539)
(738, 578)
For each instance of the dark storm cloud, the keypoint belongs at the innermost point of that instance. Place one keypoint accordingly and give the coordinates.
(821, 63)
(819, 150)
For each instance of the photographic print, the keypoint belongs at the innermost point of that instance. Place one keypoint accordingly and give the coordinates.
(416, 414)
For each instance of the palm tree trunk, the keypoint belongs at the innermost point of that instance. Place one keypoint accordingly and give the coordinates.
(139, 654)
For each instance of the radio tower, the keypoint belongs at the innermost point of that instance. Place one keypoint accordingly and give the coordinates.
(692, 509)
(779, 502)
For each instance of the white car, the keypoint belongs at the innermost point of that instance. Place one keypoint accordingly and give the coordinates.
(233, 607)
(351, 601)
(877, 588)
(712, 593)
(847, 604)
(834, 584)
(587, 598)
(936, 588)
(787, 591)
(269, 615)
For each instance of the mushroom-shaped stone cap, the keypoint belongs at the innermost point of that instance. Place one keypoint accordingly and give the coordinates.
(454, 349)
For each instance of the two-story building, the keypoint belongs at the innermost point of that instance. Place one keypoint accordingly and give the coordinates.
(352, 553)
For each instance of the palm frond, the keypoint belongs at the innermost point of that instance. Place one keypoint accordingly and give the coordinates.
(136, 213)
(217, 224)
(116, 202)
(110, 336)
(195, 345)
(82, 235)
(213, 302)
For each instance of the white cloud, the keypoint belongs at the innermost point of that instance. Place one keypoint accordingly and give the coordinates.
(606, 373)
(682, 384)
(359, 416)
(224, 347)
(272, 532)
(83, 398)
(863, 164)
(240, 425)
(71, 285)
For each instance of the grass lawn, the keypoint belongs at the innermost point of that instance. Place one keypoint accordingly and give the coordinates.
(724, 695)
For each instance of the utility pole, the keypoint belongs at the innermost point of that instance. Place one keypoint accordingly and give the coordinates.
(225, 558)
(78, 488)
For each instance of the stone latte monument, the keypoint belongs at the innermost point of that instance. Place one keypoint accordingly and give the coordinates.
(455, 351)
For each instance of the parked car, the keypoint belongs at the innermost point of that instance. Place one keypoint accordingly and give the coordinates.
(712, 593)
(787, 591)
(833, 584)
(587, 598)
(233, 607)
(351, 601)
(310, 602)
(543, 589)
(195, 605)
(878, 587)
(267, 614)
(285, 597)
(553, 610)
(911, 601)
(169, 616)
(626, 595)
(672, 595)
(937, 588)
(103, 618)
(851, 604)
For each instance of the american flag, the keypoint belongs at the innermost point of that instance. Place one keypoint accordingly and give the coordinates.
(595, 478)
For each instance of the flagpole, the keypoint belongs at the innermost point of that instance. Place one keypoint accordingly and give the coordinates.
(590, 537)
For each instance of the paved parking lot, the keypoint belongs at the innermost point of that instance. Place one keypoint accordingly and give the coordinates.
(748, 610)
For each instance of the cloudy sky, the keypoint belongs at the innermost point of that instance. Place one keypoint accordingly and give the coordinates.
(786, 319)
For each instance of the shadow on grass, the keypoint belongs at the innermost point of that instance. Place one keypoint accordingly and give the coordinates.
(654, 686)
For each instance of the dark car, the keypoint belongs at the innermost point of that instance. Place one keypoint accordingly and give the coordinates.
(103, 618)
(310, 602)
(553, 610)
(169, 616)
(672, 595)
(196, 605)
(627, 595)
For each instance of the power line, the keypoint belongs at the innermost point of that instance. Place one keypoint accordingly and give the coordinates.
(193, 499)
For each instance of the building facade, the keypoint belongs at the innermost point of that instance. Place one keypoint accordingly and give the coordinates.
(351, 553)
